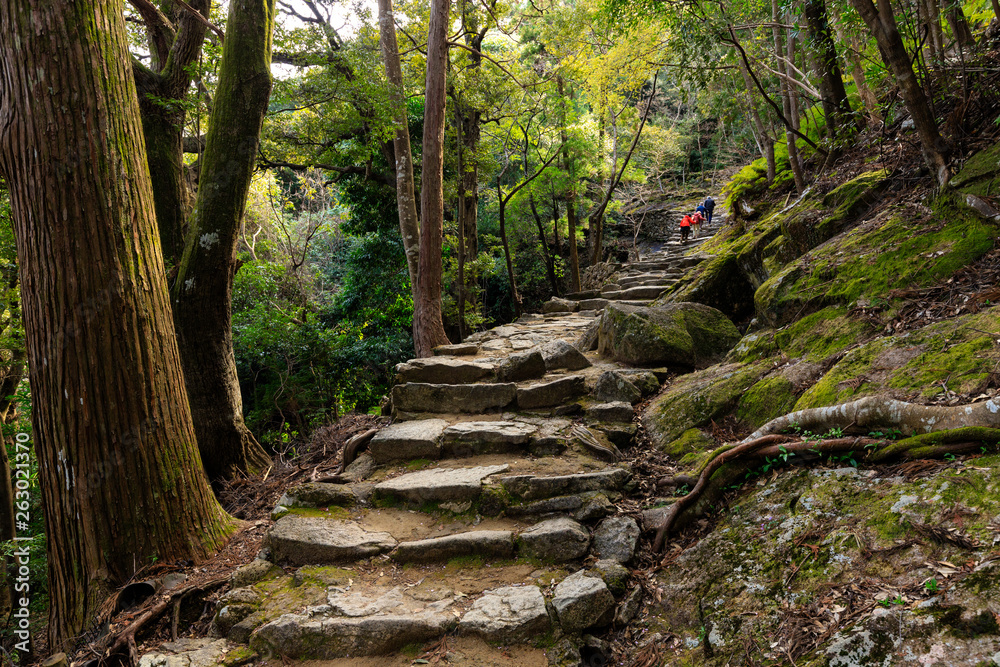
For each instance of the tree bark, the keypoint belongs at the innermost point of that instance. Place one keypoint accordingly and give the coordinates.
(765, 144)
(550, 268)
(568, 164)
(786, 102)
(162, 88)
(202, 292)
(406, 200)
(882, 24)
(111, 424)
(836, 107)
(428, 328)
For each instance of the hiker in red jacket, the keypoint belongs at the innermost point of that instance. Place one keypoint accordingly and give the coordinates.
(685, 228)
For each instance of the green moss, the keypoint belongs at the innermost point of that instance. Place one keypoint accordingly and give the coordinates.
(323, 575)
(979, 174)
(771, 397)
(753, 347)
(339, 513)
(822, 334)
(493, 500)
(697, 398)
(690, 441)
(238, 655)
(870, 260)
(957, 353)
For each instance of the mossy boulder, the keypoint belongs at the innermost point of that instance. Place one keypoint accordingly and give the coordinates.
(699, 397)
(802, 543)
(958, 354)
(822, 334)
(772, 397)
(979, 173)
(691, 441)
(718, 283)
(878, 256)
(685, 334)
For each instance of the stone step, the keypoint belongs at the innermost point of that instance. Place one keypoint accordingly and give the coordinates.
(531, 487)
(443, 370)
(305, 540)
(484, 543)
(437, 485)
(640, 292)
(452, 398)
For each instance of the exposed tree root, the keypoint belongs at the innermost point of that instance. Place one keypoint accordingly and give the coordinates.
(933, 431)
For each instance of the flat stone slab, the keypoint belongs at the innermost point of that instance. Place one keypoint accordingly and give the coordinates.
(556, 540)
(419, 439)
(200, 652)
(319, 494)
(420, 397)
(616, 411)
(439, 484)
(530, 487)
(473, 438)
(547, 394)
(457, 350)
(594, 304)
(487, 543)
(442, 370)
(302, 540)
(301, 637)
(582, 600)
(510, 614)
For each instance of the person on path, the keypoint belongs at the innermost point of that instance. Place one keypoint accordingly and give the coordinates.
(709, 207)
(696, 221)
(685, 228)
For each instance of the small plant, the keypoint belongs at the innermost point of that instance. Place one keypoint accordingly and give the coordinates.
(682, 490)
(949, 456)
(784, 453)
(931, 586)
(835, 433)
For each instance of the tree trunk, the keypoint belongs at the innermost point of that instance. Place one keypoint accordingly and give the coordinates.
(960, 26)
(764, 141)
(868, 98)
(202, 292)
(162, 89)
(515, 297)
(568, 164)
(550, 268)
(882, 23)
(111, 425)
(406, 200)
(428, 329)
(786, 103)
(836, 107)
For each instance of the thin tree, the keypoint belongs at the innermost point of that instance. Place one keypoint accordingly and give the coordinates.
(882, 24)
(121, 477)
(428, 328)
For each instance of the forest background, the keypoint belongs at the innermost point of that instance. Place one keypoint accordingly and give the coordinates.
(563, 122)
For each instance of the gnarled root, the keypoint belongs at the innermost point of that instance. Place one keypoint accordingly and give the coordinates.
(934, 432)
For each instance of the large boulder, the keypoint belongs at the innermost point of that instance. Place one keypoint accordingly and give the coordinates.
(687, 334)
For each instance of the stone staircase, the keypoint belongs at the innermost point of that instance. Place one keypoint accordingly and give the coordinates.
(485, 510)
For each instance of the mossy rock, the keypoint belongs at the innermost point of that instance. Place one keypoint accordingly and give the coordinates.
(718, 283)
(697, 398)
(684, 334)
(869, 261)
(753, 347)
(772, 397)
(979, 174)
(957, 353)
(690, 441)
(822, 334)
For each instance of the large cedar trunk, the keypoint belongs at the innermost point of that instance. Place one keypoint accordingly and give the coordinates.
(428, 329)
(202, 293)
(568, 164)
(111, 425)
(882, 23)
